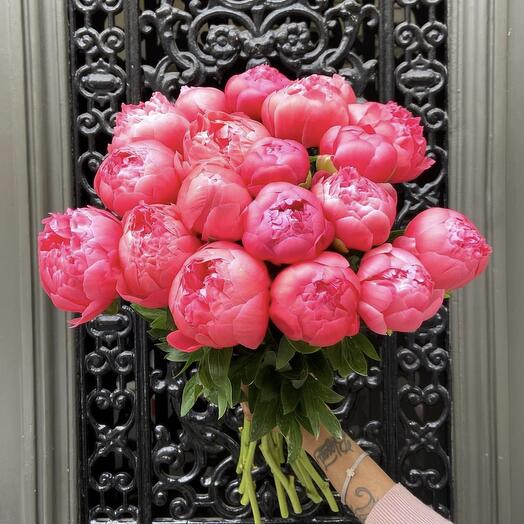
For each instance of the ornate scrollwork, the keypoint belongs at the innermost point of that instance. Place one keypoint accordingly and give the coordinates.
(400, 412)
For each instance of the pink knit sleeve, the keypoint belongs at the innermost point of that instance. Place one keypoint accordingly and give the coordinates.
(399, 506)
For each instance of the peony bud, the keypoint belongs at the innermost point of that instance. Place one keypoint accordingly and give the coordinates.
(156, 119)
(154, 245)
(220, 299)
(78, 260)
(247, 91)
(274, 160)
(211, 200)
(396, 291)
(316, 301)
(141, 172)
(448, 244)
(286, 224)
(363, 212)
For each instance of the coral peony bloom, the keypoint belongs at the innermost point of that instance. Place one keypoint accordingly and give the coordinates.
(156, 119)
(285, 224)
(220, 298)
(141, 172)
(396, 291)
(219, 135)
(247, 91)
(274, 160)
(448, 244)
(402, 129)
(363, 212)
(307, 108)
(78, 260)
(211, 201)
(372, 154)
(194, 101)
(316, 301)
(154, 245)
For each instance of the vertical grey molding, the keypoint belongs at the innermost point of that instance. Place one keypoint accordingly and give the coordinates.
(478, 113)
(37, 455)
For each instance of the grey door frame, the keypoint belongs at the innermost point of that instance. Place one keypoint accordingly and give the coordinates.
(37, 429)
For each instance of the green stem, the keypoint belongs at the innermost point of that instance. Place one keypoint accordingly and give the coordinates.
(319, 481)
(277, 450)
(247, 486)
(306, 481)
(287, 483)
(278, 440)
(244, 439)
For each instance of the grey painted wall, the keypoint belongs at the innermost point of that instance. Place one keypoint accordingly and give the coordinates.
(515, 259)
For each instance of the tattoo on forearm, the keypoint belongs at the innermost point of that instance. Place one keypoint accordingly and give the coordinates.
(331, 450)
(363, 508)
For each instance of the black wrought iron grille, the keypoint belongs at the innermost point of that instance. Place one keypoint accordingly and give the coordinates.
(138, 460)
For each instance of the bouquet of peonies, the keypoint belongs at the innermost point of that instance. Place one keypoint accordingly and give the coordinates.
(261, 265)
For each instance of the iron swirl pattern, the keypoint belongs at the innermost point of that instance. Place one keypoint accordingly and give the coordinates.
(138, 458)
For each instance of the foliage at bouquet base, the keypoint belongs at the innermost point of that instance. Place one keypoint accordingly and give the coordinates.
(286, 387)
(253, 230)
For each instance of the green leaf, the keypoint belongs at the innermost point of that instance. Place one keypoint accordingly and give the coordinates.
(302, 419)
(194, 356)
(236, 395)
(302, 347)
(335, 355)
(264, 419)
(326, 394)
(252, 398)
(320, 366)
(395, 233)
(175, 355)
(285, 353)
(225, 397)
(289, 397)
(355, 358)
(218, 362)
(328, 420)
(309, 402)
(205, 375)
(268, 382)
(113, 308)
(365, 345)
(159, 318)
(164, 346)
(293, 438)
(252, 366)
(192, 390)
(298, 376)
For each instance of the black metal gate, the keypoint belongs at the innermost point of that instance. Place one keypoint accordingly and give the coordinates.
(138, 460)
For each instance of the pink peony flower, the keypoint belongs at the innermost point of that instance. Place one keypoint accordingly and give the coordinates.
(141, 172)
(285, 224)
(78, 260)
(211, 201)
(219, 135)
(402, 129)
(154, 245)
(193, 101)
(372, 154)
(156, 119)
(363, 212)
(274, 160)
(316, 301)
(448, 244)
(327, 142)
(220, 298)
(247, 91)
(396, 291)
(307, 108)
